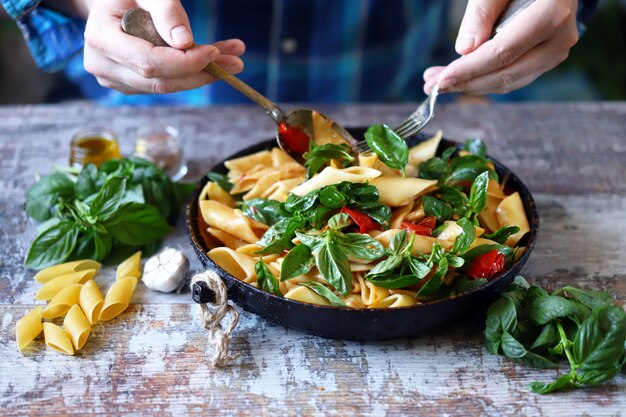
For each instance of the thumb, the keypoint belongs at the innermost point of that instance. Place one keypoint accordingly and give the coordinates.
(171, 21)
(477, 24)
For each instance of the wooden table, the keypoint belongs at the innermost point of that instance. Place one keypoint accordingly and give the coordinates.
(152, 359)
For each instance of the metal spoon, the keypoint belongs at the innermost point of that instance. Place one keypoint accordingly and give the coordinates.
(138, 22)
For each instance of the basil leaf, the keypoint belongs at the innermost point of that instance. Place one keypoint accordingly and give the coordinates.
(389, 264)
(221, 180)
(359, 192)
(377, 211)
(314, 242)
(278, 237)
(434, 169)
(501, 317)
(89, 181)
(298, 262)
(547, 308)
(445, 156)
(511, 347)
(137, 224)
(588, 298)
(476, 146)
(52, 246)
(599, 344)
(324, 292)
(502, 234)
(535, 360)
(435, 207)
(266, 280)
(398, 242)
(94, 244)
(322, 154)
(334, 266)
(455, 199)
(465, 239)
(361, 246)
(478, 193)
(464, 284)
(393, 280)
(45, 193)
(435, 280)
(561, 382)
(419, 269)
(263, 210)
(331, 197)
(108, 198)
(547, 338)
(296, 203)
(390, 148)
(339, 221)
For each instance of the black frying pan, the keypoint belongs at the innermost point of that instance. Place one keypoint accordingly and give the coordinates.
(365, 324)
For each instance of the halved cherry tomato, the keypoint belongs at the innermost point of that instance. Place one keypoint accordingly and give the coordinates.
(418, 229)
(297, 140)
(430, 222)
(486, 265)
(365, 222)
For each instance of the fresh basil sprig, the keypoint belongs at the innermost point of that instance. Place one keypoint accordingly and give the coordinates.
(317, 156)
(390, 148)
(122, 207)
(266, 280)
(536, 328)
(324, 292)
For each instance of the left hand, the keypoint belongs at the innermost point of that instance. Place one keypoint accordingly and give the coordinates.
(533, 42)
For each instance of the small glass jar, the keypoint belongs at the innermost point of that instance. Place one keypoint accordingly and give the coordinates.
(161, 146)
(94, 146)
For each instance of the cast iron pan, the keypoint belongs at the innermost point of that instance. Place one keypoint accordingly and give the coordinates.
(365, 324)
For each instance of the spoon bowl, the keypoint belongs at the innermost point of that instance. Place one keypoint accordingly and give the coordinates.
(138, 22)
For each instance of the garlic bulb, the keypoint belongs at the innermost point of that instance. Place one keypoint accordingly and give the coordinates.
(166, 270)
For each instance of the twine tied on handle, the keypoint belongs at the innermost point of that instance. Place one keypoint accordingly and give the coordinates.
(210, 292)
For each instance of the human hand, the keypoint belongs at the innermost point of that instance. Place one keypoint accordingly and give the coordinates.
(132, 65)
(533, 42)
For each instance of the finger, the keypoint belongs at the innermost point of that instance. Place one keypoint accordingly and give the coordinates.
(171, 21)
(110, 74)
(230, 63)
(532, 26)
(517, 75)
(477, 24)
(105, 35)
(234, 47)
(432, 71)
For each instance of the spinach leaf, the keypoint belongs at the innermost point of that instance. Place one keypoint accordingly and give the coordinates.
(502, 234)
(324, 292)
(266, 280)
(53, 246)
(45, 193)
(137, 224)
(298, 262)
(322, 154)
(390, 148)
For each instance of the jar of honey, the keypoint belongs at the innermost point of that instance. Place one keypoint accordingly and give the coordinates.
(94, 146)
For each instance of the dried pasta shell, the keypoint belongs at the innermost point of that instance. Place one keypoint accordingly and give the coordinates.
(130, 267)
(57, 338)
(118, 298)
(28, 328)
(56, 271)
(91, 301)
(52, 287)
(62, 301)
(78, 327)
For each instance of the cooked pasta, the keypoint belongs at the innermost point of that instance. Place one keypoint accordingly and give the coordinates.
(384, 229)
(118, 298)
(28, 328)
(63, 301)
(56, 271)
(91, 301)
(77, 326)
(52, 287)
(57, 338)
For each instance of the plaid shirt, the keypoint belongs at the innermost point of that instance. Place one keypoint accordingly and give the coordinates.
(325, 51)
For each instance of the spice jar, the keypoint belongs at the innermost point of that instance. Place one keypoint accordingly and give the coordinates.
(93, 145)
(161, 146)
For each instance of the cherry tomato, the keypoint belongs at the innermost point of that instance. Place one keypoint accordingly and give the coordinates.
(486, 265)
(430, 222)
(295, 138)
(418, 229)
(365, 222)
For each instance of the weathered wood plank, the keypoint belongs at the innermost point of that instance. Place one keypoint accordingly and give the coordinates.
(152, 359)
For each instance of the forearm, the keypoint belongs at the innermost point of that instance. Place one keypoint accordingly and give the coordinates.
(78, 8)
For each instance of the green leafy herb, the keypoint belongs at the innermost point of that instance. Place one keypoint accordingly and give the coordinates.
(502, 234)
(53, 245)
(390, 148)
(298, 261)
(46, 193)
(317, 156)
(266, 280)
(263, 210)
(476, 146)
(221, 180)
(324, 292)
(478, 193)
(438, 208)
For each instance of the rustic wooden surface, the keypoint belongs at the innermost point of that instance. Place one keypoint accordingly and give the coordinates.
(152, 359)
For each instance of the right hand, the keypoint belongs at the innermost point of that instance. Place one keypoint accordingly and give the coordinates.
(132, 65)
